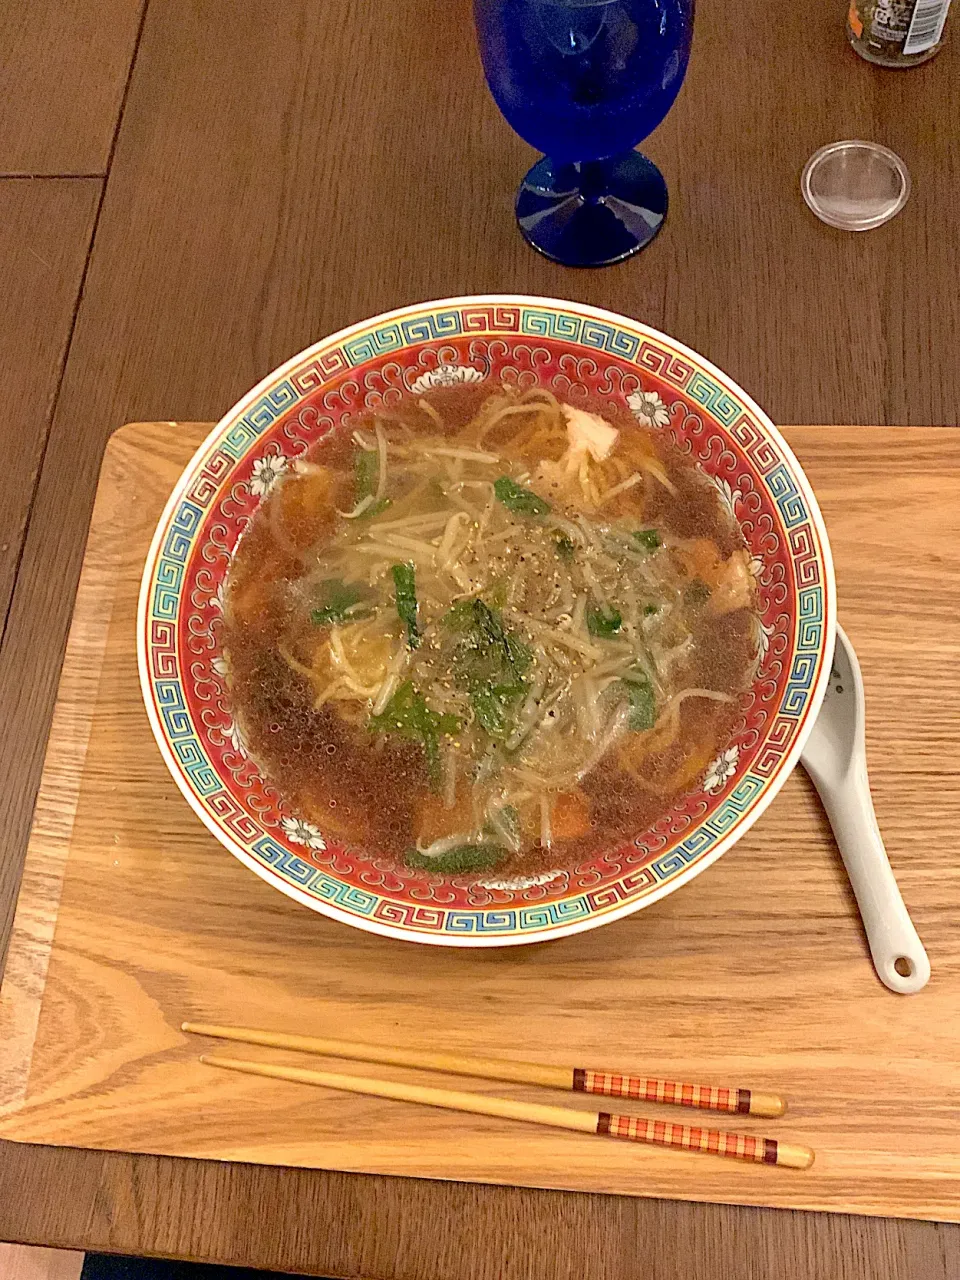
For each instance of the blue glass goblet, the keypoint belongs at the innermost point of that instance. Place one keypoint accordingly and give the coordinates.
(584, 81)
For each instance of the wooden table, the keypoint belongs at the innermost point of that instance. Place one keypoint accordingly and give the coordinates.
(189, 193)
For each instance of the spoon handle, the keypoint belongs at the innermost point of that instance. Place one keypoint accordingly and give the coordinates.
(888, 926)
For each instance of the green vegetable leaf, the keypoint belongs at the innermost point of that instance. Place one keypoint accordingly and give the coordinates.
(459, 617)
(340, 602)
(490, 633)
(408, 715)
(456, 861)
(565, 546)
(488, 622)
(643, 702)
(520, 655)
(366, 473)
(603, 622)
(649, 539)
(405, 591)
(523, 502)
(651, 609)
(489, 662)
(375, 509)
(490, 706)
(403, 713)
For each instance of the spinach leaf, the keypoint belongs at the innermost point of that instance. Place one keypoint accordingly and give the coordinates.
(489, 662)
(523, 502)
(651, 609)
(603, 622)
(643, 702)
(565, 546)
(458, 617)
(491, 705)
(340, 602)
(407, 715)
(375, 509)
(405, 591)
(649, 539)
(465, 857)
(366, 473)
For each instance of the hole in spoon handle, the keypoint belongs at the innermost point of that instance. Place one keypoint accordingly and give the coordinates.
(905, 970)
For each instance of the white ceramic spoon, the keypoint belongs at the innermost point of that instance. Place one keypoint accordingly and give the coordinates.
(835, 758)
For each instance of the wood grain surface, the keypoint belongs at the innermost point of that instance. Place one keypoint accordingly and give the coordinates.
(757, 972)
(45, 230)
(63, 68)
(23, 1262)
(390, 177)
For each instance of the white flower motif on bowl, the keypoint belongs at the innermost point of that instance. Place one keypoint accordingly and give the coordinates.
(266, 472)
(729, 497)
(445, 375)
(648, 408)
(300, 832)
(722, 769)
(761, 639)
(232, 731)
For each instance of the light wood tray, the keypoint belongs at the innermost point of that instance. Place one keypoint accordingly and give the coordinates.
(132, 918)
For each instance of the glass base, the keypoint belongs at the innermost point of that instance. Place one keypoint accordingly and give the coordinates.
(592, 213)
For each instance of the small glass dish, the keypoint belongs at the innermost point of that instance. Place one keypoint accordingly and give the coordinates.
(855, 185)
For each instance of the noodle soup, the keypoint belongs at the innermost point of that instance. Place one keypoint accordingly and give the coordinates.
(489, 632)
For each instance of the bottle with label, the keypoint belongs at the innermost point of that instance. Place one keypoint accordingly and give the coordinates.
(897, 33)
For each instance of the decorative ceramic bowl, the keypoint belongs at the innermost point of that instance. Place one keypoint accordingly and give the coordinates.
(576, 351)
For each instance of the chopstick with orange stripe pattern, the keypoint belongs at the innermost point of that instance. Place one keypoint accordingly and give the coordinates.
(579, 1080)
(707, 1097)
(634, 1128)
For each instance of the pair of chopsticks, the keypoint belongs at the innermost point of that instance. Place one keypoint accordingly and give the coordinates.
(579, 1080)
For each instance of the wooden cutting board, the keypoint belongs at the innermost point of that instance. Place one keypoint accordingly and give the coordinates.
(132, 918)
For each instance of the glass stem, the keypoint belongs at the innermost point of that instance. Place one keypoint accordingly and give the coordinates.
(594, 183)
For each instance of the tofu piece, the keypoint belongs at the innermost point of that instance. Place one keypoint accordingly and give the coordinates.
(589, 433)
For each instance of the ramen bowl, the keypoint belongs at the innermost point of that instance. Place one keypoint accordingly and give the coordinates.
(582, 355)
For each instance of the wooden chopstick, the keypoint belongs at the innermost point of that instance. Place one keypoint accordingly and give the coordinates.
(577, 1079)
(634, 1128)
